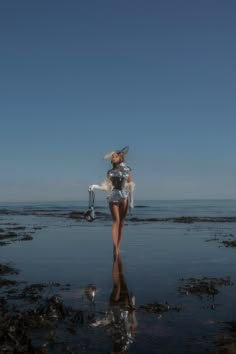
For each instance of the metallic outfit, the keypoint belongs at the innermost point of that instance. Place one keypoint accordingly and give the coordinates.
(119, 177)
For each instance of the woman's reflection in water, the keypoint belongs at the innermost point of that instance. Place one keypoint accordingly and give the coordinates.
(122, 310)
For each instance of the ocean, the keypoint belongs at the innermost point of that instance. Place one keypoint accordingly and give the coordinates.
(177, 260)
(165, 208)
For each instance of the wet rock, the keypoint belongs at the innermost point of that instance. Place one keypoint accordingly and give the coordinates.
(229, 243)
(18, 228)
(159, 308)
(6, 235)
(26, 238)
(35, 330)
(185, 219)
(6, 282)
(13, 336)
(33, 292)
(52, 308)
(202, 286)
(6, 269)
(9, 233)
(76, 215)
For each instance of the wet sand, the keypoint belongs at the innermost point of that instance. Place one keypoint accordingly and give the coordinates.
(172, 289)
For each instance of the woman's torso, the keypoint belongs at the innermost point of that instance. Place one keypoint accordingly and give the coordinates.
(118, 176)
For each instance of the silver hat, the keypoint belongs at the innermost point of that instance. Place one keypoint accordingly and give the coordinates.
(124, 151)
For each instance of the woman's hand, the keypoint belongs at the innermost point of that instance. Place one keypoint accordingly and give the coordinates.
(91, 187)
(105, 186)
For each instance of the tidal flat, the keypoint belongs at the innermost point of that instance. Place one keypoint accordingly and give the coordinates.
(171, 290)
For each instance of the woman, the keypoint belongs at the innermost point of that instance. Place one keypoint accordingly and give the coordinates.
(120, 187)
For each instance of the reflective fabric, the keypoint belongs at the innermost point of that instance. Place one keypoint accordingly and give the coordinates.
(119, 178)
(115, 196)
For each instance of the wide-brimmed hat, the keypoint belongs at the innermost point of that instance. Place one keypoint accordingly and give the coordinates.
(124, 151)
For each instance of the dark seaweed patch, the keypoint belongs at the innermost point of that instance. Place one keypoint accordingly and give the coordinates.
(159, 307)
(14, 232)
(202, 286)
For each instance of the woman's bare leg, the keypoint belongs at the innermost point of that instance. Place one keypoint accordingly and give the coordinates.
(123, 207)
(114, 208)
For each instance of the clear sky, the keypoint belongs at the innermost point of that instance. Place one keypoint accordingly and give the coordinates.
(81, 78)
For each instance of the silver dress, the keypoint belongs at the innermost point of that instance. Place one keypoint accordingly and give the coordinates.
(119, 177)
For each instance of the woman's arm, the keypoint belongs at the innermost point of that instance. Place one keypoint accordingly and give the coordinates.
(130, 177)
(131, 186)
(104, 186)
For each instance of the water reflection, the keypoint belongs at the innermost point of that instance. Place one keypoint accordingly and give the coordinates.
(90, 292)
(122, 308)
(119, 321)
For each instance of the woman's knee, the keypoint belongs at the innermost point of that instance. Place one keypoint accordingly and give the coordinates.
(116, 220)
(121, 222)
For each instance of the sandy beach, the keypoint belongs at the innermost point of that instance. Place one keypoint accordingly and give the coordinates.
(172, 289)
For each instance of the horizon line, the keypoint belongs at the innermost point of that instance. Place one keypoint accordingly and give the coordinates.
(104, 200)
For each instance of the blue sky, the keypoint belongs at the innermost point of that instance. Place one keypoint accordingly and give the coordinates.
(81, 78)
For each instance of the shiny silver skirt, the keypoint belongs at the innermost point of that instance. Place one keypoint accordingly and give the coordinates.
(116, 196)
